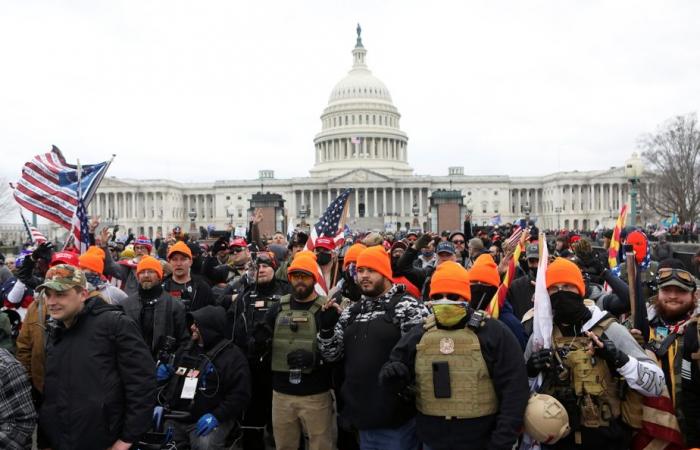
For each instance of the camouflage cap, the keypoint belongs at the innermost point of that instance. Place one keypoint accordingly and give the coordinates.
(63, 277)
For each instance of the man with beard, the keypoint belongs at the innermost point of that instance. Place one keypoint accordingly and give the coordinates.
(484, 281)
(191, 289)
(364, 336)
(522, 289)
(476, 357)
(591, 355)
(155, 312)
(301, 380)
(671, 321)
(248, 329)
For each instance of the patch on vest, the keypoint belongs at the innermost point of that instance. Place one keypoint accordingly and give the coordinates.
(447, 346)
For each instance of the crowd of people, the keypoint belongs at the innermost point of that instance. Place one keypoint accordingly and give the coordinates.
(378, 341)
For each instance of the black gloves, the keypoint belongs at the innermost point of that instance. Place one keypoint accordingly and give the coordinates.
(300, 359)
(25, 271)
(422, 241)
(539, 361)
(611, 354)
(43, 251)
(394, 374)
(327, 321)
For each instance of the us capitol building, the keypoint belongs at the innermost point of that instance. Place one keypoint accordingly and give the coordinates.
(361, 145)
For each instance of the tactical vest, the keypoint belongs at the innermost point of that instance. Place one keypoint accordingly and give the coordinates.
(295, 329)
(588, 377)
(465, 389)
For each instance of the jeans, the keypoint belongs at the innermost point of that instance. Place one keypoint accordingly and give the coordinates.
(401, 438)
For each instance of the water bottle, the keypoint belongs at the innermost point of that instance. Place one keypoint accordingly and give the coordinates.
(294, 376)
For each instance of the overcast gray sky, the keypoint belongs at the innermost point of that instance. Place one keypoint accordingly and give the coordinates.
(205, 90)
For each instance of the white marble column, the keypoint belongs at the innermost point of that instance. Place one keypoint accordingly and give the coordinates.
(375, 203)
(384, 210)
(402, 202)
(420, 201)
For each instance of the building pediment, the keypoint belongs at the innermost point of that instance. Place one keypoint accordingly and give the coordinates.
(361, 176)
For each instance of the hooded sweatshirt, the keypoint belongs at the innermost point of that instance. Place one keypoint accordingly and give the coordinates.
(223, 386)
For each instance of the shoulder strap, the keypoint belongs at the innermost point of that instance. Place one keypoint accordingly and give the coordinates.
(284, 302)
(318, 304)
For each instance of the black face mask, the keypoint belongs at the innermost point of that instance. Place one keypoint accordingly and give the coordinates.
(568, 308)
(395, 263)
(533, 272)
(481, 296)
(323, 258)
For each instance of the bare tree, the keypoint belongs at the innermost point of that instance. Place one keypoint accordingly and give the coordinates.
(673, 155)
(8, 205)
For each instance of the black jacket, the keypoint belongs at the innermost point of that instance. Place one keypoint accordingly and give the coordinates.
(195, 294)
(244, 317)
(168, 316)
(520, 295)
(505, 364)
(223, 388)
(100, 380)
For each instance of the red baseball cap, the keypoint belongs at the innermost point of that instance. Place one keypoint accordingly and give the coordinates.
(325, 242)
(66, 257)
(239, 242)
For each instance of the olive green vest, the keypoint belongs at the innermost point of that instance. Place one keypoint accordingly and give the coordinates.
(294, 330)
(588, 377)
(472, 392)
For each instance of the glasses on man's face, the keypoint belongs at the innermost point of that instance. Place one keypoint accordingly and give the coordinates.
(236, 249)
(458, 241)
(453, 297)
(667, 274)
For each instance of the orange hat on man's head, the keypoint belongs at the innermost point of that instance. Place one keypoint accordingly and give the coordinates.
(304, 263)
(352, 253)
(96, 250)
(180, 247)
(450, 278)
(92, 261)
(377, 259)
(485, 271)
(564, 271)
(149, 262)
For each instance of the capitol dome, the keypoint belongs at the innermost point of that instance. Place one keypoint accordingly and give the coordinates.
(360, 126)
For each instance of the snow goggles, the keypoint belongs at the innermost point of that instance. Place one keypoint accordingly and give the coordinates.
(678, 277)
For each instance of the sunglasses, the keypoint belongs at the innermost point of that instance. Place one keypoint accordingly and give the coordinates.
(458, 241)
(453, 297)
(236, 249)
(667, 274)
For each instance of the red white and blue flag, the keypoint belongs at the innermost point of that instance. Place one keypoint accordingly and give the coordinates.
(332, 222)
(59, 191)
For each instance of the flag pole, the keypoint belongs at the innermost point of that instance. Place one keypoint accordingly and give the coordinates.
(79, 171)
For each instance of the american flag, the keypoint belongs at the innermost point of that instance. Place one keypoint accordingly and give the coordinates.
(50, 187)
(356, 140)
(331, 223)
(81, 230)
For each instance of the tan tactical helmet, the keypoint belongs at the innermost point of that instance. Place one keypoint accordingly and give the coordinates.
(546, 419)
